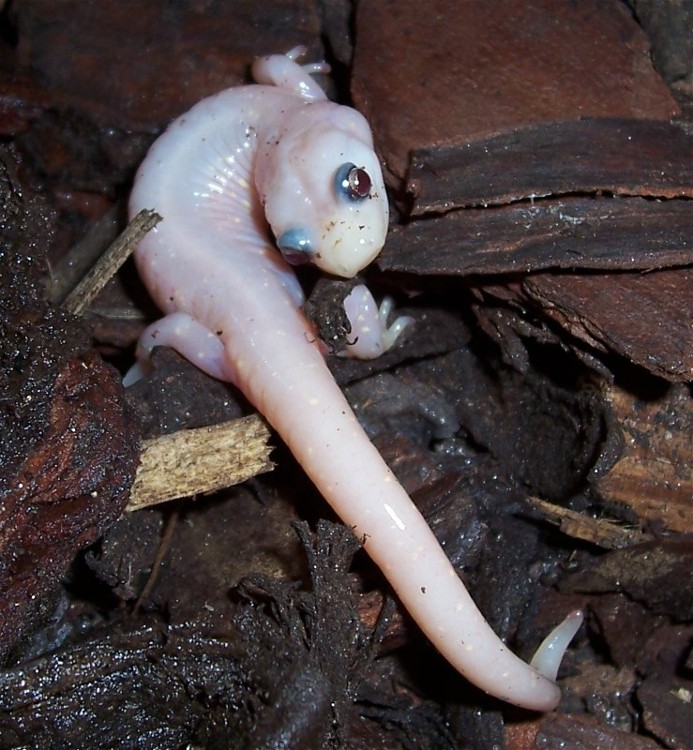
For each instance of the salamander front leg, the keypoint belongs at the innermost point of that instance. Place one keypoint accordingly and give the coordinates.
(371, 335)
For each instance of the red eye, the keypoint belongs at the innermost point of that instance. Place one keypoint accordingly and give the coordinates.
(353, 182)
(359, 183)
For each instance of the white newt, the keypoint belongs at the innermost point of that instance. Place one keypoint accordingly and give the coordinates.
(249, 182)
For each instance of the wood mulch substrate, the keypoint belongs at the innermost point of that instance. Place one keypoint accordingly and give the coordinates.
(539, 158)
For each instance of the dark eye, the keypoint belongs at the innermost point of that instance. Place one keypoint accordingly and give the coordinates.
(353, 182)
(295, 246)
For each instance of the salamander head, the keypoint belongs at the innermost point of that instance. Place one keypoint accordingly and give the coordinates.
(324, 196)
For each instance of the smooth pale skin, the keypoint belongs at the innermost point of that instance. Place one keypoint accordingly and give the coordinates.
(267, 154)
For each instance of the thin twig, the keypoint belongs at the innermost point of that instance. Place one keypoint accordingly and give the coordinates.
(599, 531)
(192, 462)
(68, 271)
(189, 462)
(104, 269)
(164, 544)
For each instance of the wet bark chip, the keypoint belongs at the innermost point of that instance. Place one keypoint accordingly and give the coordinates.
(569, 171)
(310, 682)
(68, 447)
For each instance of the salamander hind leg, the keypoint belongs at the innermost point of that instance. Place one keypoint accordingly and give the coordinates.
(371, 334)
(190, 338)
(283, 71)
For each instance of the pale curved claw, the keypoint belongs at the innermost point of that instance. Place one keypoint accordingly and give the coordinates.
(549, 655)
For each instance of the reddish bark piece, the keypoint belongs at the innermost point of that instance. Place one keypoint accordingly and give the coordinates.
(667, 687)
(566, 732)
(667, 711)
(624, 626)
(647, 318)
(68, 490)
(496, 68)
(570, 233)
(621, 157)
(654, 573)
(138, 65)
(439, 73)
(653, 476)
